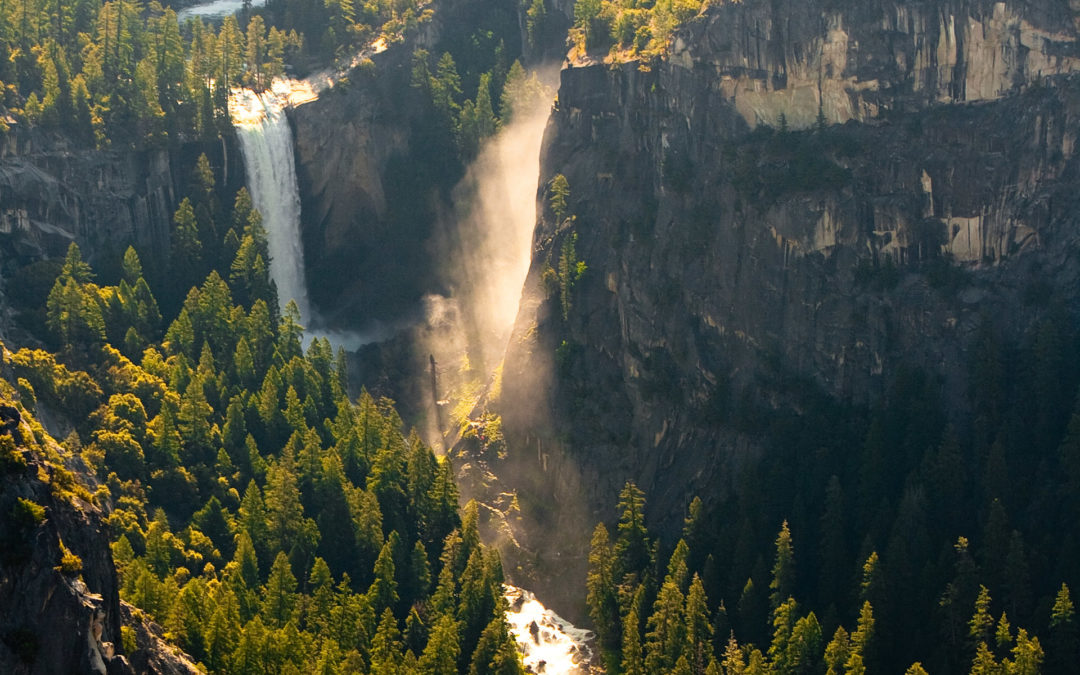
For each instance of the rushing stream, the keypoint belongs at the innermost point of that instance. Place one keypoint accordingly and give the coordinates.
(549, 644)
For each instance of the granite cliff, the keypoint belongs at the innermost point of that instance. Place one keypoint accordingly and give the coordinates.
(800, 197)
(54, 192)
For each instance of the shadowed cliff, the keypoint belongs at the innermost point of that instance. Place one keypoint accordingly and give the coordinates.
(797, 202)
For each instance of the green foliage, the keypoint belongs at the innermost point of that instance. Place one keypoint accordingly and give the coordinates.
(535, 23)
(601, 598)
(464, 124)
(558, 196)
(122, 74)
(632, 29)
(783, 573)
(257, 509)
(569, 273)
(27, 514)
(11, 459)
(70, 564)
(676, 635)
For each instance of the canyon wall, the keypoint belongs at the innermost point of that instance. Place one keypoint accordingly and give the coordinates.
(803, 197)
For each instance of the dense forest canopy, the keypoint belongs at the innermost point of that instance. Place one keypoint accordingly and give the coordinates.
(123, 72)
(267, 521)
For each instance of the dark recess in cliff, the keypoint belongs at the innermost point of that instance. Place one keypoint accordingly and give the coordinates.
(376, 166)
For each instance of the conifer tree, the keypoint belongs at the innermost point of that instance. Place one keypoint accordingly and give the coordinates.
(383, 592)
(698, 629)
(666, 636)
(783, 573)
(1064, 643)
(441, 653)
(602, 600)
(280, 594)
(633, 662)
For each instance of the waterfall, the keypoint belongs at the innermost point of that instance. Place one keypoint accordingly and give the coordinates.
(267, 146)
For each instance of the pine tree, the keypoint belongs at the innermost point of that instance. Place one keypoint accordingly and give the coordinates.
(253, 520)
(837, 652)
(386, 645)
(601, 598)
(783, 573)
(780, 650)
(804, 651)
(320, 584)
(1027, 655)
(1064, 642)
(284, 512)
(496, 653)
(383, 592)
(131, 267)
(559, 196)
(633, 548)
(981, 622)
(633, 662)
(441, 653)
(186, 246)
(698, 629)
(280, 595)
(666, 636)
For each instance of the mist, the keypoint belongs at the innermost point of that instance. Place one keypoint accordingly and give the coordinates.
(494, 231)
(486, 249)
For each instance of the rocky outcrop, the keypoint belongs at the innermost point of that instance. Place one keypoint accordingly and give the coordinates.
(730, 266)
(58, 585)
(376, 167)
(53, 193)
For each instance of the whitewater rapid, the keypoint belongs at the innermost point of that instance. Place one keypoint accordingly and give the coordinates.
(548, 643)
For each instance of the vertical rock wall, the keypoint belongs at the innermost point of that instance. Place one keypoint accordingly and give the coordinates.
(731, 266)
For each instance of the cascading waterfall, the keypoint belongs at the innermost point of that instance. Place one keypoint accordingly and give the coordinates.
(267, 146)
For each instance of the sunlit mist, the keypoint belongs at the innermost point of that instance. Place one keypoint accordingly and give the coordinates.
(494, 229)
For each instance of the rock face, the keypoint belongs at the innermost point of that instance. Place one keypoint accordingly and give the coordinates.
(51, 198)
(58, 585)
(858, 62)
(365, 219)
(376, 169)
(729, 265)
(52, 193)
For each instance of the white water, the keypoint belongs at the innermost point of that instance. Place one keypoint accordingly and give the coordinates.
(266, 143)
(549, 644)
(218, 9)
(267, 146)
